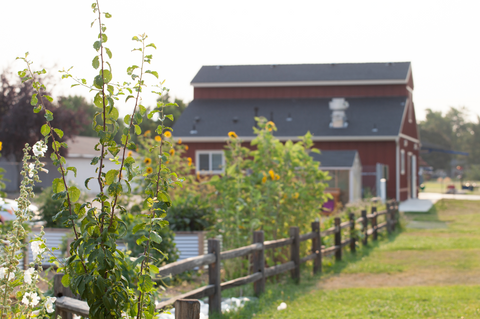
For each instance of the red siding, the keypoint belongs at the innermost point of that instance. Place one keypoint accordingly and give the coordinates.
(300, 92)
(410, 122)
(405, 179)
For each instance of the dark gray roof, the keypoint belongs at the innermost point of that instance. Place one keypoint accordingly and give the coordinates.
(302, 72)
(215, 118)
(335, 158)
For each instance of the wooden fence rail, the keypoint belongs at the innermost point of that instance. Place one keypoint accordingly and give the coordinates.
(66, 304)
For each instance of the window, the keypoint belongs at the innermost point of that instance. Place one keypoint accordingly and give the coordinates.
(210, 162)
(402, 162)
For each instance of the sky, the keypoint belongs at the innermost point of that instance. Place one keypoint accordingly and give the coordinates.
(440, 38)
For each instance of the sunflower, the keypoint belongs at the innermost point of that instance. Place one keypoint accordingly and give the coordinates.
(147, 133)
(270, 126)
(1, 144)
(296, 195)
(277, 177)
(189, 161)
(167, 134)
(272, 174)
(232, 134)
(264, 179)
(186, 147)
(130, 153)
(149, 170)
(147, 160)
(172, 152)
(158, 138)
(179, 141)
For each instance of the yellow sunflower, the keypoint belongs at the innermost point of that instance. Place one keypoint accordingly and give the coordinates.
(1, 145)
(158, 138)
(277, 177)
(272, 174)
(189, 161)
(167, 134)
(232, 134)
(147, 133)
(264, 179)
(296, 195)
(172, 152)
(179, 141)
(130, 153)
(186, 147)
(149, 170)
(147, 160)
(270, 126)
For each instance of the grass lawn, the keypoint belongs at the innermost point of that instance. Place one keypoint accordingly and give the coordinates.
(434, 186)
(416, 273)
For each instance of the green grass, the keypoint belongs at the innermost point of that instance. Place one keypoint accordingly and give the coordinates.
(437, 253)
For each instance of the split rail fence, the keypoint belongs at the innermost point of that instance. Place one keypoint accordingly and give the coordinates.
(66, 303)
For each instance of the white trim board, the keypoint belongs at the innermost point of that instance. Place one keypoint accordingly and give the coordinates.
(295, 83)
(203, 139)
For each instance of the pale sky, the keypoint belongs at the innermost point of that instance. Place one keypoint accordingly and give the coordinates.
(440, 38)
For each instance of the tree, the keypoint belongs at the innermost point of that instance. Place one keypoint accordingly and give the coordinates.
(20, 125)
(85, 112)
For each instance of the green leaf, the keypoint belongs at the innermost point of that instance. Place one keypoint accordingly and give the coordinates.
(110, 176)
(151, 45)
(154, 73)
(109, 53)
(74, 194)
(59, 132)
(126, 119)
(141, 240)
(94, 160)
(107, 15)
(73, 169)
(66, 280)
(143, 109)
(138, 130)
(155, 237)
(57, 185)
(169, 116)
(107, 76)
(145, 283)
(97, 45)
(37, 109)
(34, 99)
(98, 82)
(138, 227)
(96, 62)
(154, 268)
(45, 130)
(48, 115)
(49, 98)
(86, 182)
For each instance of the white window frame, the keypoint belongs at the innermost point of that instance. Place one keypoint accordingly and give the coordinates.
(402, 162)
(210, 153)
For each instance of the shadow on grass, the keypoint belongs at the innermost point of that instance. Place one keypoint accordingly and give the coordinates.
(285, 290)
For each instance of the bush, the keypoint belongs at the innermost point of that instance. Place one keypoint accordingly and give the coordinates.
(190, 214)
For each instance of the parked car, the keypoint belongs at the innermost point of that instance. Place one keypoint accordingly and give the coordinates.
(8, 207)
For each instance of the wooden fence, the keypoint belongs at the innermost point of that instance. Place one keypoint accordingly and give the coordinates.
(66, 304)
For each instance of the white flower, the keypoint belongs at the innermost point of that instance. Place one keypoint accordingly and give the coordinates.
(39, 149)
(11, 276)
(49, 304)
(30, 298)
(282, 306)
(31, 167)
(3, 270)
(27, 276)
(36, 249)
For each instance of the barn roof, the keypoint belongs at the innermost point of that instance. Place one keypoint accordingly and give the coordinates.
(372, 117)
(302, 74)
(340, 159)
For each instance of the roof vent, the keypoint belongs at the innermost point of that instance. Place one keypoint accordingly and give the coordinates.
(235, 119)
(218, 67)
(289, 118)
(194, 130)
(339, 118)
(374, 129)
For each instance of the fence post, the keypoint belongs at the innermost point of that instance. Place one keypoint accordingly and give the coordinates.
(215, 300)
(395, 214)
(388, 218)
(60, 291)
(317, 248)
(187, 309)
(374, 223)
(338, 239)
(353, 239)
(295, 252)
(259, 263)
(365, 226)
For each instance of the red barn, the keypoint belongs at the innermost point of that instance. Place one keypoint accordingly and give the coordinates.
(367, 107)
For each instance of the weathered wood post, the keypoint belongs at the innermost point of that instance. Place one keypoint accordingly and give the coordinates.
(187, 309)
(215, 300)
(388, 218)
(60, 291)
(295, 252)
(365, 227)
(338, 239)
(317, 248)
(395, 214)
(258, 258)
(353, 238)
(374, 223)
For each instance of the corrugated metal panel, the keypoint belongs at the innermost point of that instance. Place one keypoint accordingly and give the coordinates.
(187, 245)
(52, 239)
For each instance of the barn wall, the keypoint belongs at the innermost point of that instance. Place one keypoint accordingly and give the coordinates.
(300, 92)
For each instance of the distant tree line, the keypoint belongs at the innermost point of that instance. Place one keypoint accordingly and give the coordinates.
(452, 130)
(72, 114)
